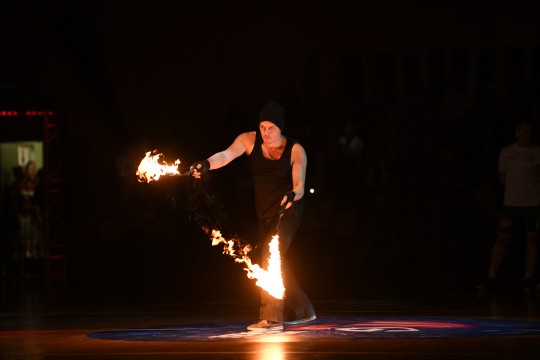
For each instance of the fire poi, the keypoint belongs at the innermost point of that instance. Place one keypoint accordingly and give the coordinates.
(152, 168)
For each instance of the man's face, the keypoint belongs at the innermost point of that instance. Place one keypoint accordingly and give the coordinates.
(269, 132)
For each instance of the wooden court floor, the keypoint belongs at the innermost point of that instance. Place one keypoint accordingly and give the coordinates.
(467, 325)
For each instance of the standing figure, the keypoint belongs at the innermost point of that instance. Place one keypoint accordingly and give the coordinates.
(28, 213)
(519, 173)
(278, 168)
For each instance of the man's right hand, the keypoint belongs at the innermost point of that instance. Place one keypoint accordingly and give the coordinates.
(200, 167)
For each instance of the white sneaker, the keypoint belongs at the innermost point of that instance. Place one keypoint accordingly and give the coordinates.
(265, 325)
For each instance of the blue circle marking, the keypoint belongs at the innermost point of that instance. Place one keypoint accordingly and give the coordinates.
(332, 328)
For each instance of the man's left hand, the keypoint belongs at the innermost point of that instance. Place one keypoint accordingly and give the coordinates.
(288, 199)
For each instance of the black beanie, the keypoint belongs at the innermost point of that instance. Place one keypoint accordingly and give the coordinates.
(274, 113)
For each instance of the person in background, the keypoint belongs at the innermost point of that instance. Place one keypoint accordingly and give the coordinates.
(28, 213)
(519, 173)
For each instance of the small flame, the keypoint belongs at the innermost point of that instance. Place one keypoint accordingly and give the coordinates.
(271, 279)
(150, 168)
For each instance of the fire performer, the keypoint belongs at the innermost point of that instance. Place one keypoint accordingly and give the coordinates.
(278, 168)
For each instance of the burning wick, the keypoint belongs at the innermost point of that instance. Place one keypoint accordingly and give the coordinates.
(271, 279)
(150, 168)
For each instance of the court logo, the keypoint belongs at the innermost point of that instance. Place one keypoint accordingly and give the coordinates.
(355, 328)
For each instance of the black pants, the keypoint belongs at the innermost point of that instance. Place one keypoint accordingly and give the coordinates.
(296, 304)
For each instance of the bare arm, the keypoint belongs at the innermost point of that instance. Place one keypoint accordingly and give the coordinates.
(299, 165)
(222, 158)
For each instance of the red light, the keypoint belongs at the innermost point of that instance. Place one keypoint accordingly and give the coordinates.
(8, 113)
(34, 113)
(38, 113)
(27, 113)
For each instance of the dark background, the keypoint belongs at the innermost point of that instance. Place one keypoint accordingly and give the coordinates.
(434, 90)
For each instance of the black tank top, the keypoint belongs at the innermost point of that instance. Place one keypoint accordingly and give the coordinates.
(271, 178)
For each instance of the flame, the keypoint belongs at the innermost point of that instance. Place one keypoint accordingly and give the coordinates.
(271, 279)
(150, 169)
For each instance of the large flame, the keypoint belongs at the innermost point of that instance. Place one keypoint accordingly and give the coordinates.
(151, 168)
(271, 279)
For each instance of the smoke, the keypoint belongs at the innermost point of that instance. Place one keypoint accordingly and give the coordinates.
(208, 213)
(204, 209)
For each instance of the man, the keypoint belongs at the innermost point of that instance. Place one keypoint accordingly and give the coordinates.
(278, 167)
(519, 173)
